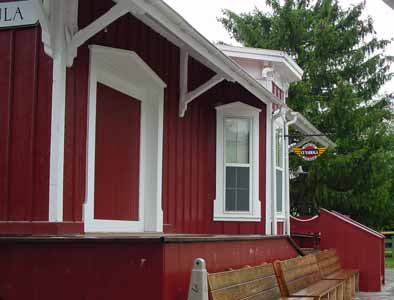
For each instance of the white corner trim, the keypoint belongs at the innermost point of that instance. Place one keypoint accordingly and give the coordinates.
(56, 166)
(268, 172)
(186, 97)
(109, 66)
(241, 110)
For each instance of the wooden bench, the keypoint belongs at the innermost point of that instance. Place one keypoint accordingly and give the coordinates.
(248, 283)
(331, 268)
(300, 277)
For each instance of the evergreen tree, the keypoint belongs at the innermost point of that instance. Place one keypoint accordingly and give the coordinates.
(345, 66)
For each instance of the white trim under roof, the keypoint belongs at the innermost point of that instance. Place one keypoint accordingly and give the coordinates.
(389, 3)
(304, 126)
(273, 56)
(163, 19)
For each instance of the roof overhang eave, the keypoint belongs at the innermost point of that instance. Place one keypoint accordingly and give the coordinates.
(389, 3)
(275, 56)
(303, 126)
(158, 15)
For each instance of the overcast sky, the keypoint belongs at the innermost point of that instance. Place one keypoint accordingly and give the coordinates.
(202, 15)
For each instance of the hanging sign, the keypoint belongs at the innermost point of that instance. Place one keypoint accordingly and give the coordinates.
(309, 151)
(17, 14)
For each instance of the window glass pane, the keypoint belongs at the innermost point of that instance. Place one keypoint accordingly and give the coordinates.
(231, 139)
(237, 188)
(230, 178)
(279, 147)
(279, 191)
(230, 200)
(243, 200)
(237, 133)
(243, 178)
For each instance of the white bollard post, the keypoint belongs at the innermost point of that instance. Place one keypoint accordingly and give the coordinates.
(198, 288)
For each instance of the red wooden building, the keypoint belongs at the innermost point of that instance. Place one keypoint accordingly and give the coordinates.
(130, 145)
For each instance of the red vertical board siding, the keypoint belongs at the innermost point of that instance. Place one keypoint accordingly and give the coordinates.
(117, 155)
(179, 257)
(189, 145)
(75, 137)
(81, 271)
(347, 238)
(25, 86)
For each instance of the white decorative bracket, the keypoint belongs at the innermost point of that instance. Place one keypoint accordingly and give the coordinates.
(80, 37)
(185, 96)
(59, 24)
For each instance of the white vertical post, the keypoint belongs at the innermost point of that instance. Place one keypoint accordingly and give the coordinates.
(287, 179)
(198, 287)
(57, 140)
(59, 54)
(269, 166)
(273, 178)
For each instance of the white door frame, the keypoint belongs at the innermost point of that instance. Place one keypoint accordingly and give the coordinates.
(127, 73)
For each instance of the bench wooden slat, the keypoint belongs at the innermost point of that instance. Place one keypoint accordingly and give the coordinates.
(302, 282)
(224, 279)
(342, 274)
(326, 254)
(301, 277)
(331, 268)
(244, 290)
(319, 288)
(272, 294)
(301, 272)
(295, 263)
(327, 261)
(249, 283)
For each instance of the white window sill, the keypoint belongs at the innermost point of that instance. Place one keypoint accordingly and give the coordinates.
(237, 218)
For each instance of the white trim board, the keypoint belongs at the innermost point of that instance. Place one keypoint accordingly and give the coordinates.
(126, 72)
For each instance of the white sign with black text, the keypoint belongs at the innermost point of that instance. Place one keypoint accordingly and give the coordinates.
(16, 14)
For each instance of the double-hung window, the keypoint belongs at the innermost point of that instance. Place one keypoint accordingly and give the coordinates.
(237, 163)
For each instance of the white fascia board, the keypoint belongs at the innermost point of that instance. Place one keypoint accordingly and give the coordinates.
(304, 126)
(268, 55)
(389, 3)
(162, 18)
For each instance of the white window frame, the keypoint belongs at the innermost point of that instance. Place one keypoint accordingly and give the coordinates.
(278, 124)
(127, 73)
(237, 110)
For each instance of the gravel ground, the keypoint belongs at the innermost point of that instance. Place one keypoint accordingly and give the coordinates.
(387, 292)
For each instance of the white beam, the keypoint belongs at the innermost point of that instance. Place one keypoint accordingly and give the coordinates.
(117, 11)
(183, 80)
(185, 99)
